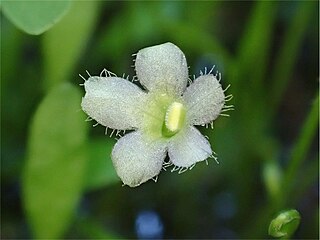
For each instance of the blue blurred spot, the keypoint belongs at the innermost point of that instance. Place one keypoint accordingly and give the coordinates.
(224, 205)
(148, 225)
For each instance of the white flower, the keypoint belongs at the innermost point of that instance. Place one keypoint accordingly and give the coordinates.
(162, 116)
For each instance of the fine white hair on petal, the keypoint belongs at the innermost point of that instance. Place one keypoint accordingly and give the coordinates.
(204, 99)
(137, 159)
(162, 68)
(188, 147)
(113, 102)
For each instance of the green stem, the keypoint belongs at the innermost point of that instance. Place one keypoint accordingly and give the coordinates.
(310, 176)
(300, 149)
(289, 50)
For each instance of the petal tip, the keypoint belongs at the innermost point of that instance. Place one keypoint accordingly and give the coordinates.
(162, 67)
(136, 160)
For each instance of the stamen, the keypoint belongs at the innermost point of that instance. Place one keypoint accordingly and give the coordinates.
(174, 119)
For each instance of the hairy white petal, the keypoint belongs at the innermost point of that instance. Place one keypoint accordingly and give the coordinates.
(162, 68)
(204, 99)
(137, 159)
(113, 102)
(188, 147)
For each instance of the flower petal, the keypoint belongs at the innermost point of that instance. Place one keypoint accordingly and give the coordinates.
(189, 147)
(113, 102)
(204, 99)
(162, 67)
(137, 159)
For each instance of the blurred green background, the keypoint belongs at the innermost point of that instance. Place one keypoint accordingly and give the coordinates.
(57, 179)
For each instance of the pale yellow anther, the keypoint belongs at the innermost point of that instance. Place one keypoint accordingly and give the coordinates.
(175, 117)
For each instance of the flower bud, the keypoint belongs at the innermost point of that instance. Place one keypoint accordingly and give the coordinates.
(285, 224)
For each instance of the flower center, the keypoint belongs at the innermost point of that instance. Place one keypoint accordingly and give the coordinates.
(174, 119)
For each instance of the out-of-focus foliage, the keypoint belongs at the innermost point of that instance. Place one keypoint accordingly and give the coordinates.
(100, 170)
(71, 39)
(268, 149)
(35, 17)
(56, 163)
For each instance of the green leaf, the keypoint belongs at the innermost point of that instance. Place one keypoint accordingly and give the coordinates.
(63, 44)
(56, 164)
(100, 171)
(35, 17)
